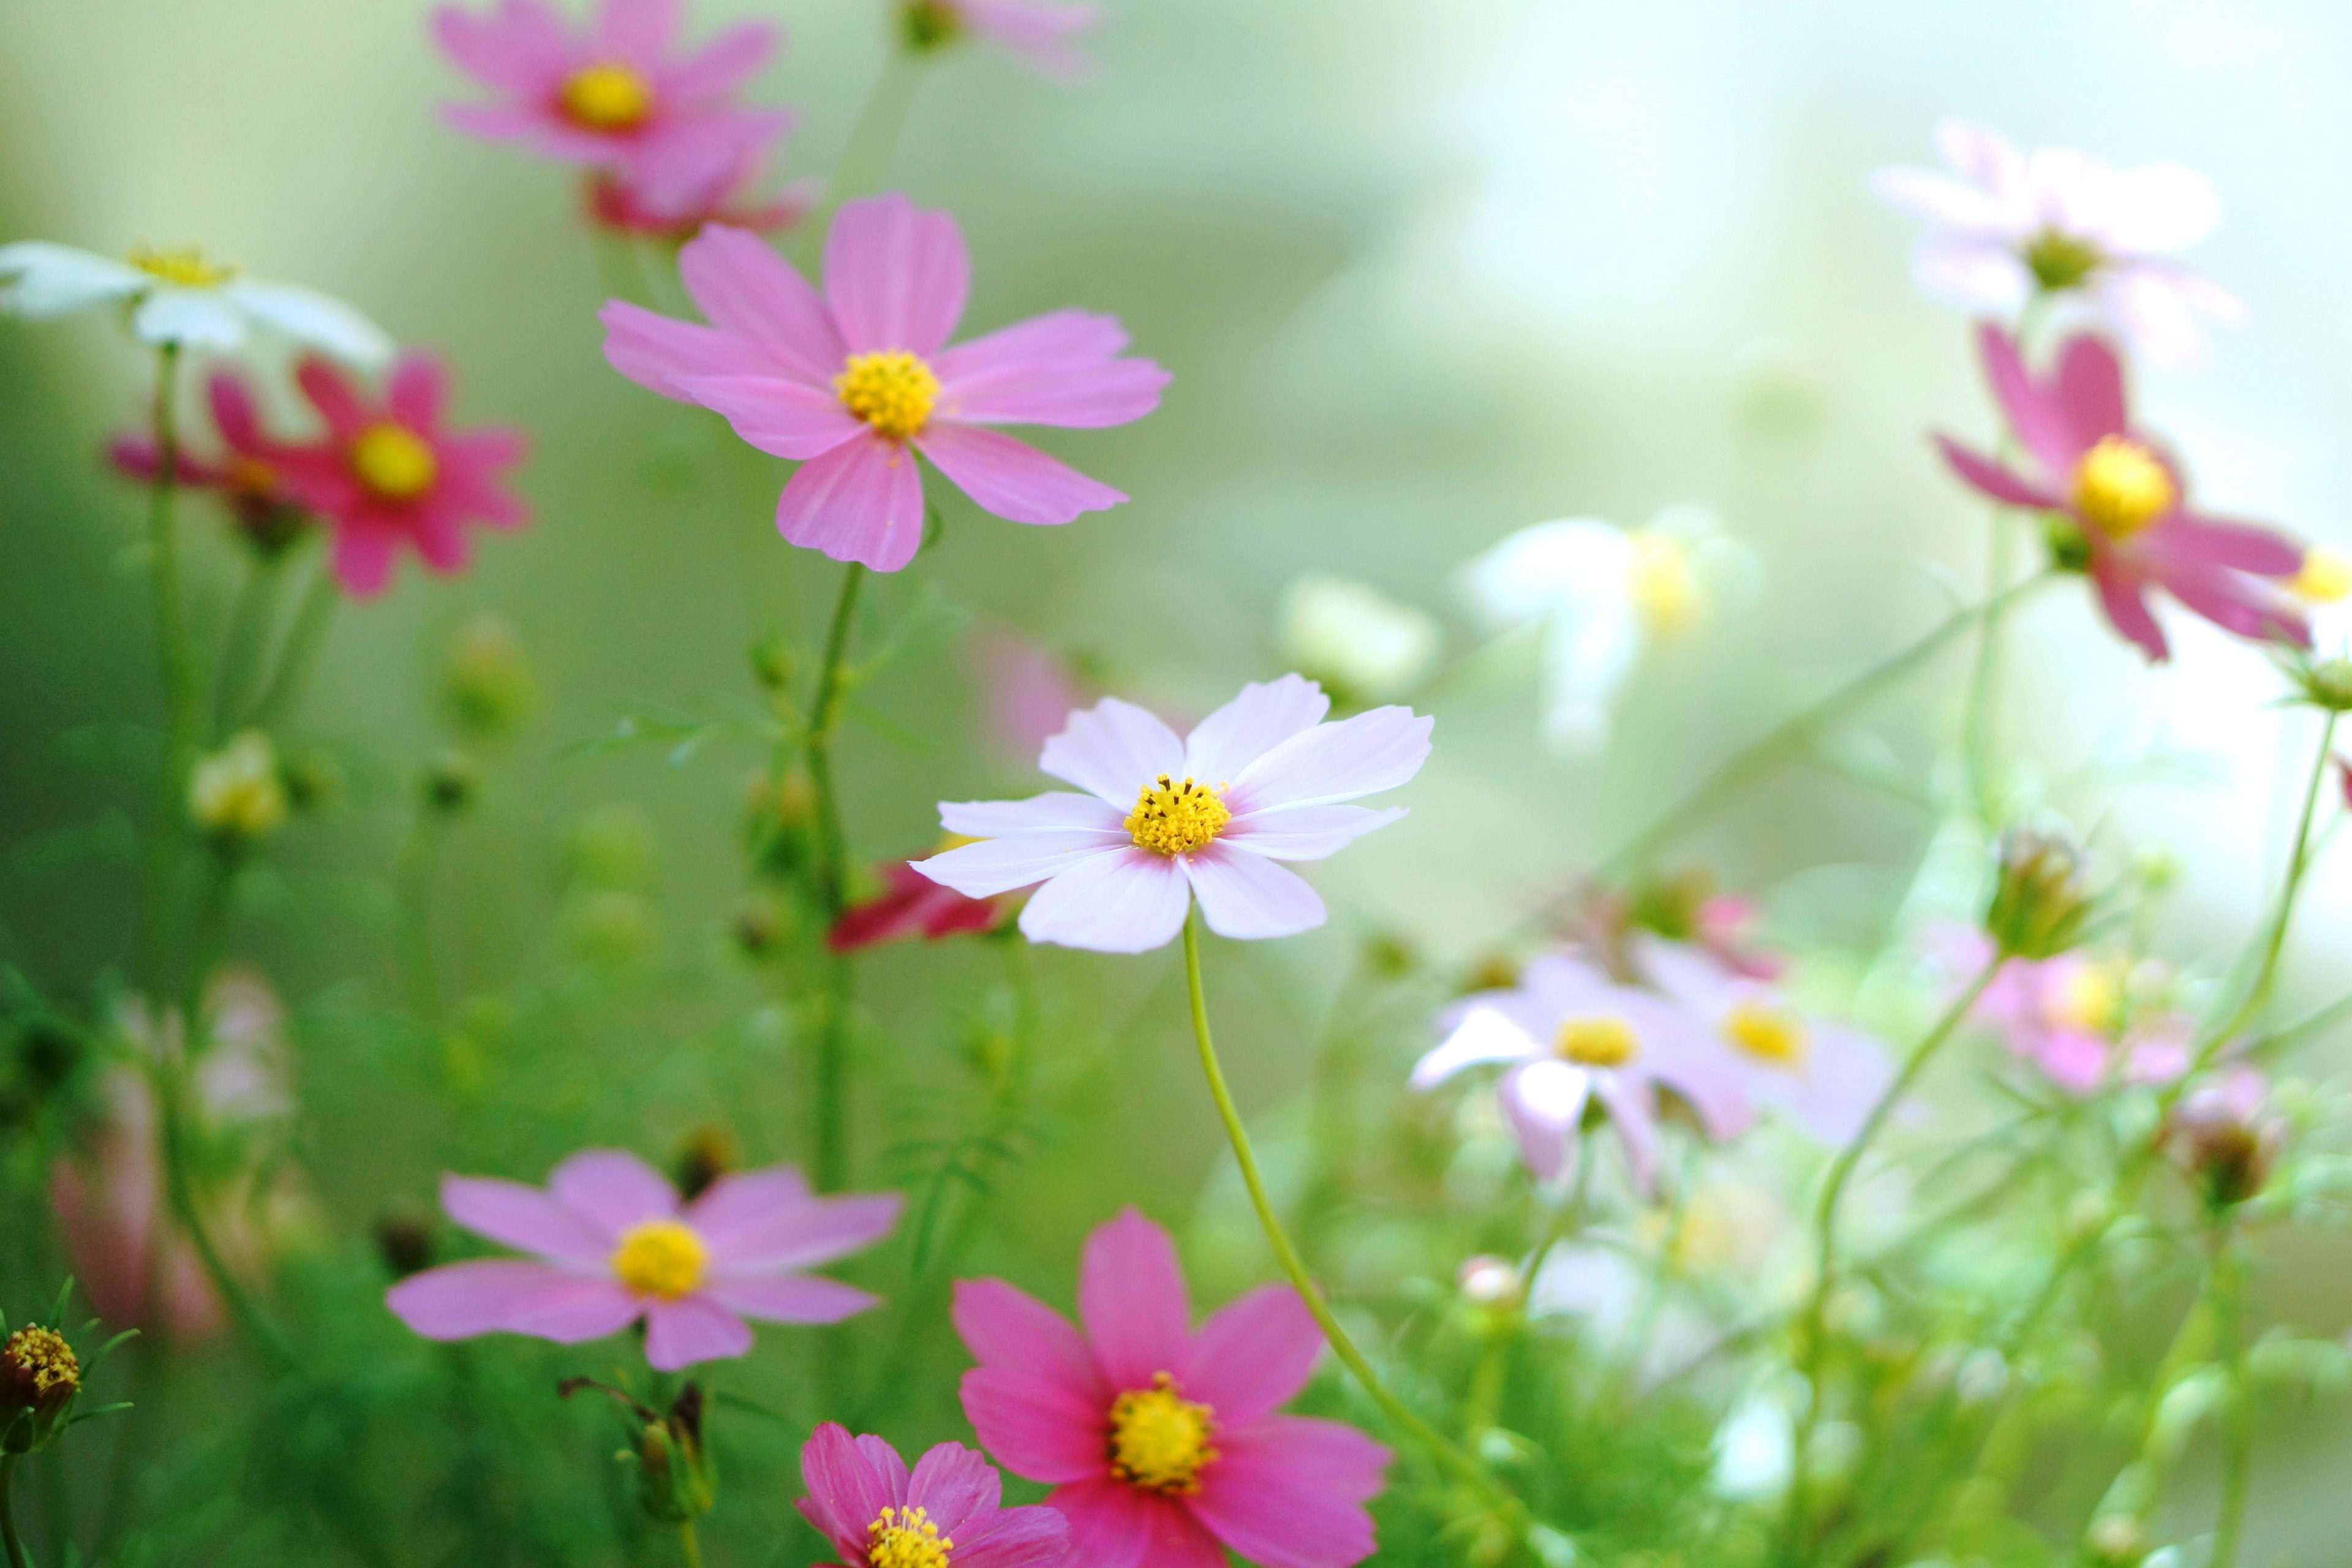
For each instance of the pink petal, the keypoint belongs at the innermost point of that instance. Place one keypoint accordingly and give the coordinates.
(2120, 595)
(1845, 1072)
(234, 414)
(749, 290)
(2211, 541)
(2158, 308)
(636, 32)
(886, 1464)
(692, 1329)
(1000, 865)
(1122, 900)
(1114, 1525)
(363, 559)
(528, 125)
(843, 1486)
(441, 539)
(1030, 1537)
(1993, 478)
(613, 1188)
(1055, 809)
(818, 1230)
(1058, 369)
(2089, 385)
(1004, 1326)
(744, 1198)
(1305, 832)
(896, 276)
(1131, 1299)
(862, 501)
(1113, 750)
(792, 1298)
(516, 1215)
(2236, 603)
(416, 391)
(1288, 1492)
(782, 418)
(1248, 897)
(1036, 1427)
(2041, 423)
(1632, 1110)
(1363, 755)
(464, 1299)
(332, 396)
(1264, 715)
(715, 70)
(1253, 1354)
(654, 351)
(952, 1483)
(523, 49)
(1014, 481)
(1035, 30)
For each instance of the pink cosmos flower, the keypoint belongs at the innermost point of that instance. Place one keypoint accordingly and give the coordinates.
(862, 1499)
(1030, 691)
(1572, 1035)
(853, 383)
(246, 476)
(2082, 1018)
(1826, 1077)
(611, 1245)
(388, 473)
(911, 903)
(1031, 28)
(616, 96)
(676, 212)
(1165, 821)
(2125, 501)
(1162, 1445)
(2004, 226)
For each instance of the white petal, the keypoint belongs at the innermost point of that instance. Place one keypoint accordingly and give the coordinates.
(46, 280)
(1112, 750)
(1248, 897)
(1000, 865)
(192, 317)
(1587, 654)
(1973, 274)
(2072, 190)
(1939, 199)
(1983, 156)
(1544, 1102)
(1531, 573)
(1055, 809)
(1362, 755)
(1129, 900)
(2156, 308)
(314, 319)
(1264, 715)
(1306, 832)
(2158, 208)
(1484, 1035)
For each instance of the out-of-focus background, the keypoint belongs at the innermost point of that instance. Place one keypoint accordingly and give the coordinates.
(1425, 270)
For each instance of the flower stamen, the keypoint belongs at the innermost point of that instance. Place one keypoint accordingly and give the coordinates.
(661, 1257)
(893, 391)
(2120, 487)
(393, 462)
(906, 1538)
(1177, 818)
(1160, 1441)
(1773, 1036)
(184, 265)
(608, 98)
(1601, 1041)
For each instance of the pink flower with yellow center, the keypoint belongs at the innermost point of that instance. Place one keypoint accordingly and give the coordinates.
(2130, 527)
(390, 473)
(611, 1244)
(248, 475)
(1162, 1445)
(948, 1512)
(675, 206)
(854, 382)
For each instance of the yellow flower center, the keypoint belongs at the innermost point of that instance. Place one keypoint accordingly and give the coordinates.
(394, 462)
(2120, 487)
(1176, 819)
(2090, 997)
(906, 1538)
(892, 390)
(608, 98)
(1771, 1034)
(183, 265)
(43, 1355)
(1662, 586)
(1159, 1439)
(2325, 577)
(660, 1258)
(1604, 1041)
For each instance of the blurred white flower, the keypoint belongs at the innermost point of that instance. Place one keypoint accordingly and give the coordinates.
(178, 298)
(238, 793)
(2005, 226)
(1602, 595)
(1356, 642)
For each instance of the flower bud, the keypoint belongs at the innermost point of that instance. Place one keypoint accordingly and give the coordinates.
(238, 795)
(2038, 903)
(1491, 1283)
(928, 25)
(1362, 646)
(486, 682)
(39, 1378)
(771, 662)
(314, 781)
(2222, 1139)
(404, 1243)
(451, 781)
(710, 1154)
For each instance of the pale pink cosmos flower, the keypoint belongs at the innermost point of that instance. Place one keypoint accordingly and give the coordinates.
(390, 473)
(2005, 226)
(1036, 30)
(1570, 1035)
(1824, 1075)
(1166, 820)
(611, 1244)
(854, 382)
(950, 1509)
(2132, 529)
(1162, 1445)
(616, 95)
(2083, 1019)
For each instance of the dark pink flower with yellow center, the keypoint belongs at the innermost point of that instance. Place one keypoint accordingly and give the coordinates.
(248, 475)
(390, 473)
(611, 1244)
(2129, 524)
(1162, 1445)
(617, 95)
(854, 382)
(948, 1512)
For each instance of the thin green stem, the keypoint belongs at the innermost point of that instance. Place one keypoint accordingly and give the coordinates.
(689, 1545)
(2237, 1415)
(16, 1554)
(300, 654)
(248, 635)
(1979, 765)
(175, 674)
(2299, 859)
(1448, 1456)
(830, 1102)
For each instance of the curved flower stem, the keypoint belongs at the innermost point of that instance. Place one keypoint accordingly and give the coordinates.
(831, 1154)
(689, 1545)
(300, 654)
(176, 674)
(2299, 859)
(17, 1557)
(1811, 1327)
(249, 634)
(1448, 1456)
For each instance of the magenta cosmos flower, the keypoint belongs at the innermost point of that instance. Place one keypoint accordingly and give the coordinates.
(854, 382)
(389, 473)
(911, 904)
(2005, 226)
(1570, 1036)
(1165, 821)
(611, 1245)
(1039, 33)
(2131, 528)
(248, 475)
(616, 96)
(948, 1512)
(1162, 1445)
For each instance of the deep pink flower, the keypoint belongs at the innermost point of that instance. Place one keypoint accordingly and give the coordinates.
(611, 1244)
(1165, 821)
(1036, 31)
(1162, 1445)
(862, 1500)
(388, 473)
(854, 382)
(614, 95)
(247, 474)
(2125, 500)
(910, 904)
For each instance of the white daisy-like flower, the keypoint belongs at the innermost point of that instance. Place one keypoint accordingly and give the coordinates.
(178, 298)
(1360, 645)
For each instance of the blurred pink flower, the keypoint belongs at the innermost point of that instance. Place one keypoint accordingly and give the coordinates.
(612, 1244)
(615, 95)
(1030, 692)
(389, 473)
(2004, 225)
(1162, 1445)
(2127, 499)
(853, 382)
(1033, 29)
(247, 474)
(1122, 863)
(677, 211)
(1570, 1035)
(2075, 1016)
(1726, 927)
(863, 1501)
(911, 903)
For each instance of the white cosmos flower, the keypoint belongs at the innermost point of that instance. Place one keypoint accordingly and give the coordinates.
(1361, 645)
(178, 298)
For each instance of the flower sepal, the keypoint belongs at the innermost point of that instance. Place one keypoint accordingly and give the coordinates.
(677, 1482)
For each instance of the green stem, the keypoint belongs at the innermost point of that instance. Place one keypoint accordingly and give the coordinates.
(2299, 859)
(689, 1545)
(1447, 1455)
(300, 655)
(176, 675)
(16, 1554)
(1976, 723)
(2237, 1418)
(831, 1156)
(248, 633)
